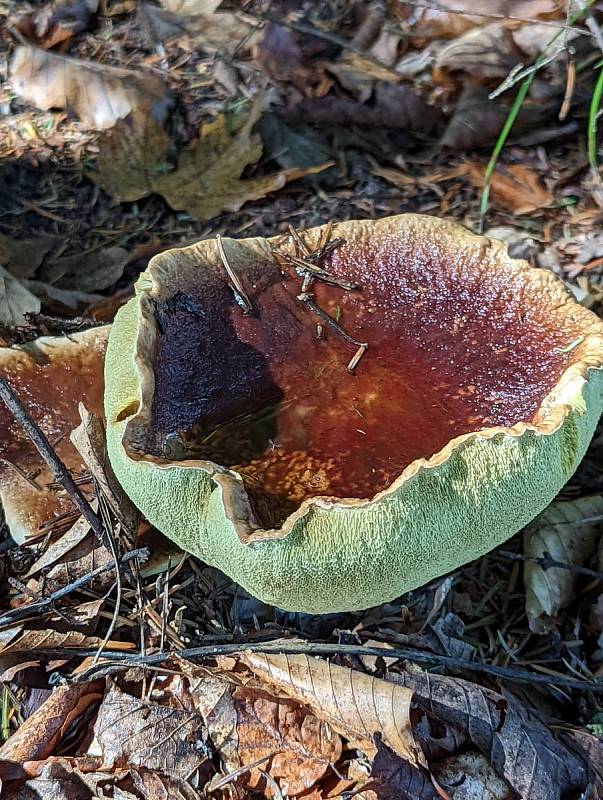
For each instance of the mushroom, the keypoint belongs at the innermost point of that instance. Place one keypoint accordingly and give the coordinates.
(51, 375)
(334, 437)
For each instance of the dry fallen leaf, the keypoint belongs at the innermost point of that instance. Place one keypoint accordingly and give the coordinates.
(568, 531)
(520, 747)
(55, 23)
(98, 94)
(37, 737)
(85, 272)
(58, 549)
(89, 440)
(449, 19)
(514, 186)
(245, 725)
(353, 703)
(469, 776)
(488, 53)
(394, 778)
(207, 179)
(15, 300)
(144, 733)
(20, 648)
(191, 7)
(225, 30)
(22, 257)
(476, 120)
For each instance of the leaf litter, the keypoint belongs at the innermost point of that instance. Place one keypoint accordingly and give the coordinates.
(207, 177)
(390, 96)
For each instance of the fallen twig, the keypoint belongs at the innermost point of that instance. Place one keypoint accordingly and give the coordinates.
(33, 610)
(318, 648)
(547, 562)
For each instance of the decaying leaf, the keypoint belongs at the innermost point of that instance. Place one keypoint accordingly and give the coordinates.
(225, 30)
(15, 300)
(568, 531)
(393, 106)
(488, 53)
(85, 272)
(477, 120)
(449, 19)
(520, 747)
(98, 94)
(89, 440)
(514, 186)
(191, 7)
(247, 725)
(207, 179)
(37, 737)
(394, 778)
(22, 257)
(143, 733)
(469, 776)
(353, 703)
(55, 23)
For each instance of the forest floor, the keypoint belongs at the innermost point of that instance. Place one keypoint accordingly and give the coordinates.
(128, 128)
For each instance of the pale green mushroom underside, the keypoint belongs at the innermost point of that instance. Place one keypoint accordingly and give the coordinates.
(343, 558)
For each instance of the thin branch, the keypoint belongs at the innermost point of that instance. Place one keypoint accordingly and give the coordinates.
(489, 15)
(310, 30)
(125, 661)
(33, 610)
(45, 449)
(547, 562)
(240, 294)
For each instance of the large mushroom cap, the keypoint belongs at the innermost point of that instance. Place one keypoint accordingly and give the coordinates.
(51, 375)
(247, 439)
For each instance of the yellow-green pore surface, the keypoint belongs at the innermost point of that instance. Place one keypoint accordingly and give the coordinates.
(440, 513)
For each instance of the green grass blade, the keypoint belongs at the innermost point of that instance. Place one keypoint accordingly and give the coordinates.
(516, 107)
(502, 138)
(593, 115)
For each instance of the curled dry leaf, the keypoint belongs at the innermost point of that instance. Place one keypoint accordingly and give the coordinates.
(15, 300)
(568, 531)
(190, 7)
(37, 737)
(450, 18)
(353, 703)
(52, 375)
(89, 440)
(488, 53)
(521, 748)
(207, 179)
(98, 94)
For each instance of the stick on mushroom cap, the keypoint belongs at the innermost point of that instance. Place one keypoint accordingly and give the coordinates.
(335, 420)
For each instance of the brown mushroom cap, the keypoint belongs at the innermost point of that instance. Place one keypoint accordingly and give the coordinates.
(51, 375)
